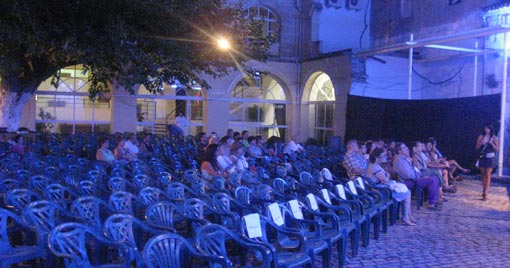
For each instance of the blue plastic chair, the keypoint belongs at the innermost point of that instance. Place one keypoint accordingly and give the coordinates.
(122, 202)
(60, 194)
(44, 215)
(91, 211)
(174, 251)
(281, 257)
(131, 231)
(12, 254)
(164, 215)
(219, 241)
(72, 241)
(314, 244)
(39, 182)
(19, 198)
(151, 195)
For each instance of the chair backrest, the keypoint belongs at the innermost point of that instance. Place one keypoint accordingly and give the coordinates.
(306, 178)
(164, 178)
(117, 183)
(8, 184)
(280, 185)
(6, 218)
(44, 215)
(275, 214)
(221, 202)
(360, 183)
(161, 215)
(90, 210)
(243, 195)
(39, 182)
(70, 241)
(72, 178)
(141, 181)
(121, 202)
(151, 195)
(22, 175)
(168, 251)
(60, 194)
(96, 176)
(19, 198)
(253, 226)
(52, 172)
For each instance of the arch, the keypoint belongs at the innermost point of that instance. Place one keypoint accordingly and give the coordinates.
(319, 105)
(259, 103)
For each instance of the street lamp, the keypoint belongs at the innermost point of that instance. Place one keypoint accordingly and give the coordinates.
(223, 43)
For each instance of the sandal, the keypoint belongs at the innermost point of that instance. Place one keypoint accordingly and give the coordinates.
(408, 223)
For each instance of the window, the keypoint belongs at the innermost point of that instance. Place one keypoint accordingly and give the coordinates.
(68, 108)
(266, 17)
(259, 105)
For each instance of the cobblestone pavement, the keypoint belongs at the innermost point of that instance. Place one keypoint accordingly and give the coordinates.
(467, 232)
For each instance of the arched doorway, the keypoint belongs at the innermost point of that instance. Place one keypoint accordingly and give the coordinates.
(321, 106)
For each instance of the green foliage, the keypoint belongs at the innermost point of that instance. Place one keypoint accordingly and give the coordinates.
(127, 41)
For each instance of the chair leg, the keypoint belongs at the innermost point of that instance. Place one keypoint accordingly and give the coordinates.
(355, 234)
(385, 219)
(365, 233)
(377, 226)
(341, 250)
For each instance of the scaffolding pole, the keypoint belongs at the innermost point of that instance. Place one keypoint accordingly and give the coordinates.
(503, 108)
(410, 71)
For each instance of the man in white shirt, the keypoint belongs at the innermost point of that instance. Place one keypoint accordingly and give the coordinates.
(132, 144)
(293, 146)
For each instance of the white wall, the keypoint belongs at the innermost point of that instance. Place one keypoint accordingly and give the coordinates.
(341, 28)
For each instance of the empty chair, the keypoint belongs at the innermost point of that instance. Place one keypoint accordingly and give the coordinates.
(314, 244)
(164, 215)
(219, 241)
(122, 202)
(39, 182)
(131, 231)
(87, 187)
(96, 176)
(91, 211)
(12, 254)
(141, 181)
(74, 242)
(44, 215)
(151, 195)
(59, 194)
(19, 198)
(117, 183)
(174, 251)
(255, 227)
(221, 204)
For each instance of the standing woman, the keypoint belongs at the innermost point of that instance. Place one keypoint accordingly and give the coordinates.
(487, 146)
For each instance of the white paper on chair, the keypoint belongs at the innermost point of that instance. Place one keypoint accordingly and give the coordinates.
(341, 191)
(352, 187)
(360, 182)
(253, 225)
(296, 211)
(325, 195)
(313, 202)
(276, 214)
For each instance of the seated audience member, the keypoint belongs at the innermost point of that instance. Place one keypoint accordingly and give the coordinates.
(253, 150)
(261, 143)
(363, 150)
(400, 192)
(132, 144)
(213, 138)
(237, 156)
(390, 149)
(403, 167)
(230, 136)
(209, 166)
(147, 145)
(293, 146)
(104, 153)
(439, 157)
(225, 164)
(18, 146)
(354, 162)
(244, 138)
(428, 167)
(122, 153)
(201, 145)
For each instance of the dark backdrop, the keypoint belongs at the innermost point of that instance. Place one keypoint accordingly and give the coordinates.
(455, 123)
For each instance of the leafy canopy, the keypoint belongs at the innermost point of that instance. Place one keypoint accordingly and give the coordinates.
(127, 41)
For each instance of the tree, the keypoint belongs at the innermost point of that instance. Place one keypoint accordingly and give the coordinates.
(120, 42)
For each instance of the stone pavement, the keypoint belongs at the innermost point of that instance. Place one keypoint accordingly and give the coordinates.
(467, 232)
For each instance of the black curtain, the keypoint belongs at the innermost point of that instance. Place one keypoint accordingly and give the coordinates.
(455, 123)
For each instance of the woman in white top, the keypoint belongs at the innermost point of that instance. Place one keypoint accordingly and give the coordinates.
(103, 153)
(400, 193)
(237, 156)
